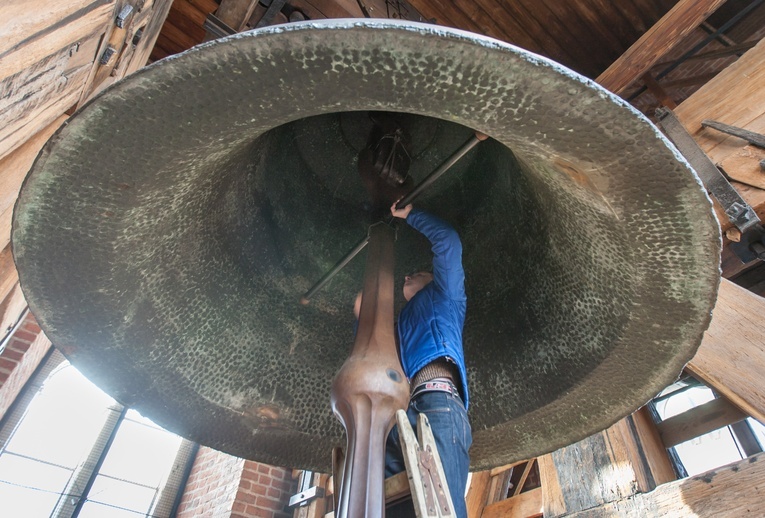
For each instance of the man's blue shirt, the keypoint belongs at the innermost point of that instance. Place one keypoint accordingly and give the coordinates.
(430, 325)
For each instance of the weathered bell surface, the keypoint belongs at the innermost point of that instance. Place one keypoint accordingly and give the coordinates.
(167, 232)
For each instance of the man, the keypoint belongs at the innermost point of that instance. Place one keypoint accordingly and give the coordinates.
(430, 346)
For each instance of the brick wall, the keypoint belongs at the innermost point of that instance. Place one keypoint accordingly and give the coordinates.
(23, 353)
(212, 485)
(222, 486)
(264, 492)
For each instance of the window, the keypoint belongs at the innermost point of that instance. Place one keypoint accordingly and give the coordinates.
(703, 431)
(75, 451)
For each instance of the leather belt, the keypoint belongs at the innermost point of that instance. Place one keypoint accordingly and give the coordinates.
(436, 386)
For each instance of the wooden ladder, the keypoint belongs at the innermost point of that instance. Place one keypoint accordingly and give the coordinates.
(427, 481)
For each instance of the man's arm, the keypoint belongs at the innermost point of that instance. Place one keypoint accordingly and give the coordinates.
(448, 273)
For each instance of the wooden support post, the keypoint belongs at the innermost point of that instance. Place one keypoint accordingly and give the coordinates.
(478, 493)
(683, 18)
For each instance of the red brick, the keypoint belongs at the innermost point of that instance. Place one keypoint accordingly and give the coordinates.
(284, 485)
(268, 503)
(20, 334)
(18, 345)
(250, 473)
(274, 493)
(31, 327)
(258, 489)
(3, 377)
(254, 512)
(7, 365)
(13, 355)
(247, 498)
(239, 507)
(262, 468)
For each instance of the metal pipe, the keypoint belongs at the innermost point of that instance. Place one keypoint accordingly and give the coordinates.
(406, 200)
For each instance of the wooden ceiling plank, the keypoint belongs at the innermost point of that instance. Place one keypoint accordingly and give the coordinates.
(656, 42)
(600, 17)
(188, 10)
(180, 39)
(562, 17)
(491, 27)
(518, 14)
(188, 19)
(636, 21)
(206, 6)
(447, 13)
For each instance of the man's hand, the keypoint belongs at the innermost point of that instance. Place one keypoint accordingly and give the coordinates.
(400, 213)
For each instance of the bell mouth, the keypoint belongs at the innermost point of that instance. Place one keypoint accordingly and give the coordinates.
(166, 233)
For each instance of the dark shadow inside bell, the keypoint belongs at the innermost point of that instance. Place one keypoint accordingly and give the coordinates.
(539, 317)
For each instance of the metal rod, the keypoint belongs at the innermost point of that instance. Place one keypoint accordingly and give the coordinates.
(306, 298)
(406, 200)
(440, 170)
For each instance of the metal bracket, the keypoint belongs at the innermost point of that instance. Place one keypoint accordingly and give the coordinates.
(304, 497)
(217, 27)
(739, 212)
(123, 16)
(432, 483)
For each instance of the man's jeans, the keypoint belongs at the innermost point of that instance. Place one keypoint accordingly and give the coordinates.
(451, 429)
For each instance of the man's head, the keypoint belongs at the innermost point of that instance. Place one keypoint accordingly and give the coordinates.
(414, 282)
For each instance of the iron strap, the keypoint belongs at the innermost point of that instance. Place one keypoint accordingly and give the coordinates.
(738, 211)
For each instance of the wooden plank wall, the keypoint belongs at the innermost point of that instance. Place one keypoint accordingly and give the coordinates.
(49, 65)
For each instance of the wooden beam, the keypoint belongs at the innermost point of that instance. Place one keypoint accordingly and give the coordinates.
(699, 420)
(683, 18)
(655, 453)
(552, 496)
(525, 505)
(478, 493)
(396, 487)
(658, 91)
(715, 54)
(731, 358)
(13, 170)
(736, 97)
(733, 490)
(236, 13)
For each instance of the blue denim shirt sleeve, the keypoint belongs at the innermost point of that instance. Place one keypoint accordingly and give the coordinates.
(448, 274)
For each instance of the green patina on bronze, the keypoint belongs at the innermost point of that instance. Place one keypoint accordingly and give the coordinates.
(167, 232)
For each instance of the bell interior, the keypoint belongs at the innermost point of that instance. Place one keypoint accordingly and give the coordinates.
(166, 234)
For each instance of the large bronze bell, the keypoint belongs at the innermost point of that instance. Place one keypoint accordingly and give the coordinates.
(167, 232)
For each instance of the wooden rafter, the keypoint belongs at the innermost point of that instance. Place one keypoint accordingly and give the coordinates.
(656, 42)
